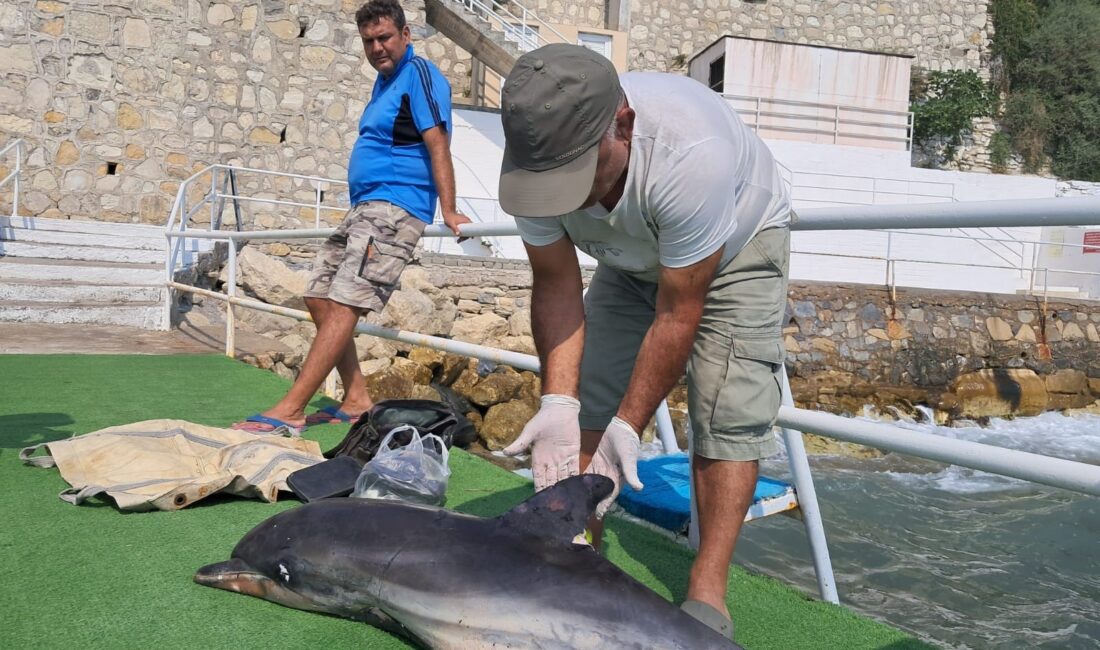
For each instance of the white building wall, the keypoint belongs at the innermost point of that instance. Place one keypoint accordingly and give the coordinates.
(821, 175)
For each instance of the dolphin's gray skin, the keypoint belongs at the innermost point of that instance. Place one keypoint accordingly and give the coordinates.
(447, 580)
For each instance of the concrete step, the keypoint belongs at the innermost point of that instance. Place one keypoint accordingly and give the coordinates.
(91, 254)
(13, 269)
(76, 225)
(56, 291)
(140, 314)
(82, 239)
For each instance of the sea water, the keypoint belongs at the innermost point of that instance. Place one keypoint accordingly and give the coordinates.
(960, 558)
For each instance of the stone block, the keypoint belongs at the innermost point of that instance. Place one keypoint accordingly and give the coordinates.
(998, 329)
(1067, 381)
(504, 422)
(994, 393)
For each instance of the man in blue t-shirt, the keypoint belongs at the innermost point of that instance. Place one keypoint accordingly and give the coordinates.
(400, 166)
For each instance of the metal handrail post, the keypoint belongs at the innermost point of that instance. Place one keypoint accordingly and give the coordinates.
(18, 173)
(213, 193)
(665, 431)
(316, 207)
(231, 291)
(807, 501)
(236, 201)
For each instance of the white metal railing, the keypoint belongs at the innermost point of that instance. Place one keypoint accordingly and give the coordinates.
(15, 174)
(839, 122)
(1028, 271)
(1061, 473)
(526, 30)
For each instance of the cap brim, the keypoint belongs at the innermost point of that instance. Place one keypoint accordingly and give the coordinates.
(549, 193)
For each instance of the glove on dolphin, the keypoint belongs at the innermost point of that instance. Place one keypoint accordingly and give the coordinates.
(447, 580)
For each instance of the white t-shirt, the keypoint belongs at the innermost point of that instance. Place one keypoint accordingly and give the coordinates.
(698, 178)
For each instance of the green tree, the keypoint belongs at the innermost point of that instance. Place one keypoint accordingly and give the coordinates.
(952, 100)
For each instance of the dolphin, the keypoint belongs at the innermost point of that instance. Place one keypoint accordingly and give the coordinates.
(447, 580)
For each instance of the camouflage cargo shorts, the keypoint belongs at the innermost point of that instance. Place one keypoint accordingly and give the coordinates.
(359, 265)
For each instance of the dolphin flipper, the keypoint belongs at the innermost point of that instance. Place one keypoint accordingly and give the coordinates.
(561, 511)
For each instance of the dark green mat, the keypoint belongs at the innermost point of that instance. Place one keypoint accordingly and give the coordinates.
(91, 577)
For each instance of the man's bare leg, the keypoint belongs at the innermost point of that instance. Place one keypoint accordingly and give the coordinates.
(334, 333)
(723, 493)
(356, 397)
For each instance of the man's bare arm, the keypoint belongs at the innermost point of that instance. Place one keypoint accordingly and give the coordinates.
(665, 349)
(557, 315)
(443, 174)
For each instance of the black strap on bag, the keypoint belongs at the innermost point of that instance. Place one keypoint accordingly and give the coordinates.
(427, 416)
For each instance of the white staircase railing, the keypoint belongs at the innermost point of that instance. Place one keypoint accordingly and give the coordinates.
(526, 30)
(15, 174)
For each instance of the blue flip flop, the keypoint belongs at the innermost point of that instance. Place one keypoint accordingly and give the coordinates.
(274, 423)
(335, 415)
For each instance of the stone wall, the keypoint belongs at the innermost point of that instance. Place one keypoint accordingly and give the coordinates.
(119, 102)
(940, 34)
(965, 355)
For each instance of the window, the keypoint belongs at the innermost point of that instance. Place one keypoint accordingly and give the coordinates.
(716, 79)
(596, 42)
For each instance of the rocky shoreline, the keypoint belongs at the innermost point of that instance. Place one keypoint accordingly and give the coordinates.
(958, 355)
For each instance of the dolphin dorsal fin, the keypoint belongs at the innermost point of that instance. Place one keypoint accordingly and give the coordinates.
(561, 511)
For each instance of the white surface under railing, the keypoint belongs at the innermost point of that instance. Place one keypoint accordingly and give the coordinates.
(15, 174)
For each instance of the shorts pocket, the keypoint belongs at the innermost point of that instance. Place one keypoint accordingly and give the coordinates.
(747, 400)
(383, 262)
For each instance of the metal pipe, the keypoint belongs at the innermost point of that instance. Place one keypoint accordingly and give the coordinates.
(1047, 470)
(807, 502)
(231, 292)
(18, 173)
(666, 432)
(1076, 211)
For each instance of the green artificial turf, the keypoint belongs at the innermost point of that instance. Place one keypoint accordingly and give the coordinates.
(92, 577)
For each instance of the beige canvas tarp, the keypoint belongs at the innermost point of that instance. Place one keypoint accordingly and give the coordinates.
(170, 464)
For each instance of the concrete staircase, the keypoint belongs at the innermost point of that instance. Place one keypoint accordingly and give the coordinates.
(83, 272)
(475, 31)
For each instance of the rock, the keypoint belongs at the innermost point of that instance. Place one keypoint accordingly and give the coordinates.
(479, 329)
(264, 323)
(373, 347)
(270, 280)
(411, 310)
(1067, 381)
(523, 344)
(389, 383)
(519, 323)
(299, 347)
(419, 279)
(822, 446)
(1094, 386)
(427, 357)
(421, 391)
(531, 390)
(452, 368)
(503, 423)
(994, 393)
(999, 330)
(1063, 401)
(371, 366)
(417, 373)
(466, 382)
(1091, 409)
(497, 387)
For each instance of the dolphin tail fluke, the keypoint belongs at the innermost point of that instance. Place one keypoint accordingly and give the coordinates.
(562, 510)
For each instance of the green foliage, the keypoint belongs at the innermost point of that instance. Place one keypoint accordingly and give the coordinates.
(1053, 66)
(1013, 22)
(1000, 150)
(952, 100)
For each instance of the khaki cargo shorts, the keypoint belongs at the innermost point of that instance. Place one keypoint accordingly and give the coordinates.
(359, 264)
(733, 372)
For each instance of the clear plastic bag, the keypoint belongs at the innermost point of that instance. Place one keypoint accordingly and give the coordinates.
(416, 472)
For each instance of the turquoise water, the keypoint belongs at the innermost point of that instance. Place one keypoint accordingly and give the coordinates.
(957, 557)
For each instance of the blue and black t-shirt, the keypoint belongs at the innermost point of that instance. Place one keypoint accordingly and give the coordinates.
(390, 161)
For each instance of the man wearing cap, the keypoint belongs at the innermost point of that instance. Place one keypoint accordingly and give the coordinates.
(399, 168)
(682, 205)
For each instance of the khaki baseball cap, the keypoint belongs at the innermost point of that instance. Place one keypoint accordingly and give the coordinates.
(556, 105)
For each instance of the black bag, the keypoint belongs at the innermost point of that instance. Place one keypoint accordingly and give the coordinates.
(427, 416)
(330, 478)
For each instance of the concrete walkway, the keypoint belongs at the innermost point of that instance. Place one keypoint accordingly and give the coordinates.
(45, 338)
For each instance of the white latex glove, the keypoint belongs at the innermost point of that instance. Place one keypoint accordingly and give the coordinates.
(554, 436)
(617, 459)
